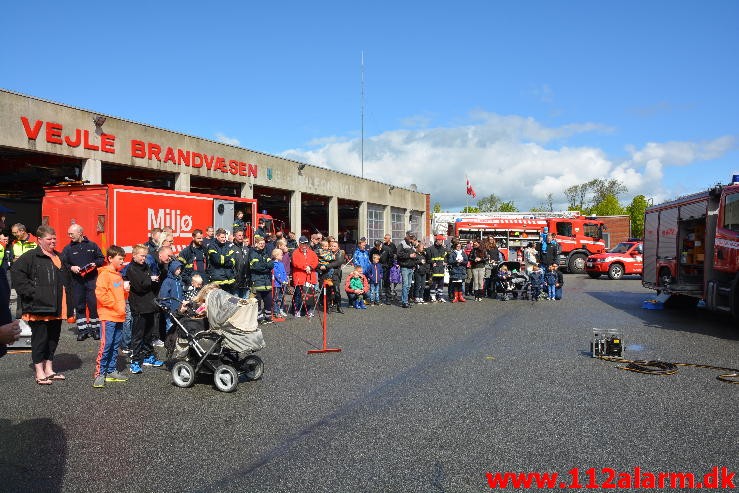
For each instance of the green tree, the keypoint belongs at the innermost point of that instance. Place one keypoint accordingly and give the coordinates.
(437, 207)
(489, 204)
(636, 211)
(471, 208)
(507, 207)
(493, 203)
(588, 196)
(608, 206)
(576, 196)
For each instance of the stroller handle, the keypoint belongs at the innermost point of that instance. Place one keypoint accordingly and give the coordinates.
(160, 302)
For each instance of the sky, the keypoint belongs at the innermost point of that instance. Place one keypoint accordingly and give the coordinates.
(524, 98)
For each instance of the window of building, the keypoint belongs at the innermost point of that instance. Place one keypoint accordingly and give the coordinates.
(375, 223)
(397, 216)
(415, 220)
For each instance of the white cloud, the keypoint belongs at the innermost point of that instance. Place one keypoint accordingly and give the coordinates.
(511, 156)
(684, 153)
(227, 140)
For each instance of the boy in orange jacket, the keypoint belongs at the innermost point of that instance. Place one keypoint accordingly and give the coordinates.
(111, 293)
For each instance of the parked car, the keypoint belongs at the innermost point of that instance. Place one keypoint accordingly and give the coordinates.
(625, 258)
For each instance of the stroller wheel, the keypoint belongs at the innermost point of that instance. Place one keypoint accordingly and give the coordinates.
(183, 374)
(252, 367)
(226, 378)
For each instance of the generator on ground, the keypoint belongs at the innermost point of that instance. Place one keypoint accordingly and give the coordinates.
(607, 342)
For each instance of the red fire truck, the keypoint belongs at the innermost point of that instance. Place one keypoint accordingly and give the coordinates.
(578, 236)
(691, 248)
(122, 215)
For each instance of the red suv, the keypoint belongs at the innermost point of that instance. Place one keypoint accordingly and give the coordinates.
(624, 258)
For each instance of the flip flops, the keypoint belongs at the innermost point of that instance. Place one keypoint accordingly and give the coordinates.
(44, 381)
(56, 376)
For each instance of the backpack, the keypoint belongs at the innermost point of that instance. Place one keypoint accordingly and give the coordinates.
(395, 276)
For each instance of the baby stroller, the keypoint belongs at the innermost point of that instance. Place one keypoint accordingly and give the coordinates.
(514, 287)
(223, 349)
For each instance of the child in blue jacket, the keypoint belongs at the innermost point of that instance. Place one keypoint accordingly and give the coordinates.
(172, 287)
(375, 279)
(280, 282)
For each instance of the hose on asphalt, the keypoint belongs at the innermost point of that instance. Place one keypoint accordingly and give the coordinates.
(656, 367)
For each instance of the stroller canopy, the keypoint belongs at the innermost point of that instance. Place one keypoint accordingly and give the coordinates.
(226, 311)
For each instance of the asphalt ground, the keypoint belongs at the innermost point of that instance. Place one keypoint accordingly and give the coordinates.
(426, 399)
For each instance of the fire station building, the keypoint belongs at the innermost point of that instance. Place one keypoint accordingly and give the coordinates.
(44, 143)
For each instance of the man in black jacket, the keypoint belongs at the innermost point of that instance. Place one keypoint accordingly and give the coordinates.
(83, 257)
(391, 255)
(241, 249)
(407, 261)
(334, 293)
(143, 310)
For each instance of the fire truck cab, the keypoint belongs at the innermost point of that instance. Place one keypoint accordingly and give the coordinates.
(691, 248)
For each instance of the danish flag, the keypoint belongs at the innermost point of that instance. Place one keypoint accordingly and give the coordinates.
(470, 191)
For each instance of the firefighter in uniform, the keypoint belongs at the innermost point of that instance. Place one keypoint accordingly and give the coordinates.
(83, 257)
(436, 257)
(222, 262)
(193, 258)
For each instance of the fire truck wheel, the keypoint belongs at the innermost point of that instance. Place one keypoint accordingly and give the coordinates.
(615, 271)
(576, 265)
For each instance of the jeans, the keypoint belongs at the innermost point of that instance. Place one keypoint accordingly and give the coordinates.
(126, 330)
(551, 291)
(374, 293)
(407, 275)
(110, 341)
(242, 293)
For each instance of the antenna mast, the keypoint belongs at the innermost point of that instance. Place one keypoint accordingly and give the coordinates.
(362, 113)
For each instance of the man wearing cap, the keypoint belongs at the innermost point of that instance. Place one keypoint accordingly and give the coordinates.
(436, 258)
(305, 262)
(407, 261)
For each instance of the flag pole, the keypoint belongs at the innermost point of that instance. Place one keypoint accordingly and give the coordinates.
(466, 194)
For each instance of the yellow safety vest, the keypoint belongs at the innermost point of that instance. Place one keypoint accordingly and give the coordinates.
(20, 247)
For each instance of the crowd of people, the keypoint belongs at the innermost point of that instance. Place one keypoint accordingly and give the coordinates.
(114, 302)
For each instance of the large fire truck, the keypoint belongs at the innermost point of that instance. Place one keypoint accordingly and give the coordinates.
(578, 236)
(123, 215)
(691, 248)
